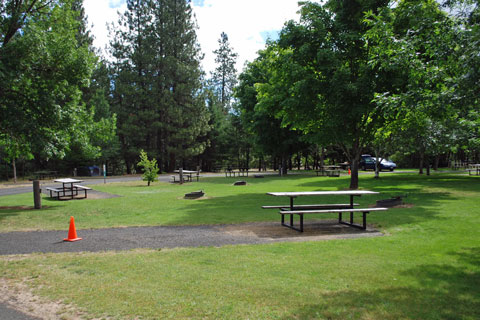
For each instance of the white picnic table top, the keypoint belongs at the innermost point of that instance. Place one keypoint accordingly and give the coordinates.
(186, 171)
(68, 180)
(321, 193)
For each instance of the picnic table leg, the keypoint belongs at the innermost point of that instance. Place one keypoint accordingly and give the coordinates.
(351, 206)
(365, 220)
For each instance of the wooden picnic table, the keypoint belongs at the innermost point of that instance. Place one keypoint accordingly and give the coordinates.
(187, 173)
(475, 168)
(69, 189)
(339, 208)
(242, 172)
(45, 174)
(329, 171)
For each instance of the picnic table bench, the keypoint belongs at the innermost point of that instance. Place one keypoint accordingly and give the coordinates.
(341, 208)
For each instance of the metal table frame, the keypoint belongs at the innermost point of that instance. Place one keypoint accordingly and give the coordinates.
(293, 195)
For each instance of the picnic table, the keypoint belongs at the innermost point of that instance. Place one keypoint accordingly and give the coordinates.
(69, 190)
(45, 174)
(187, 175)
(242, 172)
(329, 171)
(475, 168)
(340, 208)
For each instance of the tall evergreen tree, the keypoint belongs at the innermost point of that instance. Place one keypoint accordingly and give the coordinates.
(178, 87)
(157, 74)
(225, 75)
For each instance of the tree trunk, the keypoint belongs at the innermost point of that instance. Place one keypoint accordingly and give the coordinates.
(377, 167)
(427, 165)
(420, 165)
(355, 154)
(14, 171)
(127, 164)
(322, 157)
(436, 162)
(354, 174)
(283, 169)
(171, 164)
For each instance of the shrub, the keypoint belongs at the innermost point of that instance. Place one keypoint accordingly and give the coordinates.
(150, 168)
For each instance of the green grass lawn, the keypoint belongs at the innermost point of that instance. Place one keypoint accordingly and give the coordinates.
(426, 267)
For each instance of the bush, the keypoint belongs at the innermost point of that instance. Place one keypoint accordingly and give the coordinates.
(150, 168)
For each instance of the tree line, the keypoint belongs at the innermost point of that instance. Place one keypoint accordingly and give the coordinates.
(394, 78)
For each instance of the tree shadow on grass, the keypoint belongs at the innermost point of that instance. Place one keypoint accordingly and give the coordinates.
(12, 211)
(443, 292)
(402, 181)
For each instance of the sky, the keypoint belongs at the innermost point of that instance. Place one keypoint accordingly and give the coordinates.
(248, 24)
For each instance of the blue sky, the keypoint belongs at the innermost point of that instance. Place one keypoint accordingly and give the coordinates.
(248, 24)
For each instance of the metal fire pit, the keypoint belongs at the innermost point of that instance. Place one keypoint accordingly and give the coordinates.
(194, 194)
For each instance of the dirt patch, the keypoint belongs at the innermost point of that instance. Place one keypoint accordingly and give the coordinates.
(197, 199)
(19, 297)
(313, 230)
(405, 205)
(94, 194)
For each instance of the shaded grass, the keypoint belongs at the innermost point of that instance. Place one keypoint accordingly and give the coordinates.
(427, 268)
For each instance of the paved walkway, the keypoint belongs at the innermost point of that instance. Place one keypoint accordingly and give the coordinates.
(95, 240)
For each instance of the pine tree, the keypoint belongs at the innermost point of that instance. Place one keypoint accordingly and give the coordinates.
(225, 75)
(157, 82)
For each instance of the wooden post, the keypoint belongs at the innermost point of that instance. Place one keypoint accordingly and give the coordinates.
(180, 172)
(37, 199)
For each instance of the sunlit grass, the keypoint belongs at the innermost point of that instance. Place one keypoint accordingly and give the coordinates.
(426, 267)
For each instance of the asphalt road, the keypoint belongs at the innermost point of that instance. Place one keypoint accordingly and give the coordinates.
(91, 181)
(8, 313)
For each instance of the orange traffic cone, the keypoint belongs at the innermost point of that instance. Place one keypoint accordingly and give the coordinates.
(72, 233)
(349, 172)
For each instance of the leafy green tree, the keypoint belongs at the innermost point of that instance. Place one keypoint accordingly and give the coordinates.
(415, 41)
(42, 71)
(321, 77)
(267, 132)
(150, 168)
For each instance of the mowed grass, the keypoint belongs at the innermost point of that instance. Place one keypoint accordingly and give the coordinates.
(426, 267)
(163, 203)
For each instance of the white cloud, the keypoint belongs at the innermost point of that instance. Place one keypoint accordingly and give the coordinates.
(245, 22)
(100, 13)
